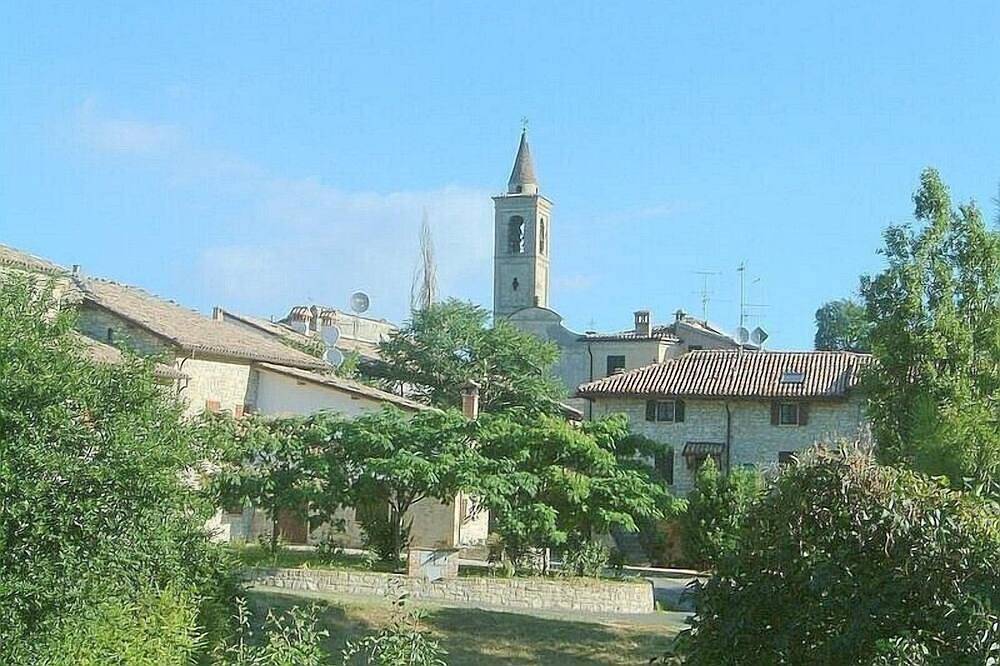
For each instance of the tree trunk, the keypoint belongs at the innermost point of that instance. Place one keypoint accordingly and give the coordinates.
(274, 532)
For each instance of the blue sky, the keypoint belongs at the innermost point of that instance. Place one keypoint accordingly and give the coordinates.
(257, 155)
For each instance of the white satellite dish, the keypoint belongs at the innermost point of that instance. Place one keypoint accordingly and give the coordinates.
(758, 336)
(742, 335)
(299, 325)
(360, 302)
(333, 357)
(330, 335)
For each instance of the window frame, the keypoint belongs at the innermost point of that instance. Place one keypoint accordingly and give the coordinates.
(610, 370)
(781, 414)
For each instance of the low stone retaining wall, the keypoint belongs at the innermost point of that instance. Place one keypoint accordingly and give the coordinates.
(570, 594)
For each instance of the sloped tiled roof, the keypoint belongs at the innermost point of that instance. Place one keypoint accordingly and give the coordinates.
(347, 385)
(279, 329)
(22, 260)
(188, 329)
(106, 354)
(726, 373)
(660, 333)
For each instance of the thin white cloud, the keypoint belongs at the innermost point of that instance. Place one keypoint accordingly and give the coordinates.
(124, 136)
(306, 240)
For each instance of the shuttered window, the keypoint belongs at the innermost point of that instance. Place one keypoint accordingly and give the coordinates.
(665, 411)
(663, 461)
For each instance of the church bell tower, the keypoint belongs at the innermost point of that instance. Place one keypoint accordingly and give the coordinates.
(521, 240)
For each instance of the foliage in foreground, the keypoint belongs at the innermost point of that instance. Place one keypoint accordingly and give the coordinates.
(716, 510)
(96, 523)
(401, 642)
(934, 393)
(844, 561)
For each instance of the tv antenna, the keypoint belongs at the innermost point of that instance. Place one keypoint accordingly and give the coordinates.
(705, 293)
(744, 306)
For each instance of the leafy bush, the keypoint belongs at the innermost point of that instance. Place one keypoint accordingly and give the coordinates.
(716, 508)
(586, 558)
(844, 561)
(401, 642)
(291, 639)
(95, 513)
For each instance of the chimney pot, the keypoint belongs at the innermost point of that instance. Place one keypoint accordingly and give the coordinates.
(217, 314)
(470, 400)
(643, 325)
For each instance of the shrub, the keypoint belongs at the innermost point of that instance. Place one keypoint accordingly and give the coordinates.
(94, 515)
(844, 561)
(586, 558)
(291, 639)
(716, 508)
(401, 642)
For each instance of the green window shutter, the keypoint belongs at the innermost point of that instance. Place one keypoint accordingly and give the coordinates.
(803, 413)
(650, 410)
(775, 412)
(679, 411)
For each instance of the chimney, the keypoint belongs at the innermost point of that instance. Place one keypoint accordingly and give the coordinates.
(217, 314)
(643, 326)
(470, 400)
(679, 315)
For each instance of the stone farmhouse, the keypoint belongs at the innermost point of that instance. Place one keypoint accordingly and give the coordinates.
(741, 408)
(214, 364)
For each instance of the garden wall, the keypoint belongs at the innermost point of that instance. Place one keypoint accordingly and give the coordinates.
(570, 594)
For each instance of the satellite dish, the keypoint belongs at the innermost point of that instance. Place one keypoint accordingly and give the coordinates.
(330, 335)
(758, 336)
(299, 325)
(360, 302)
(333, 357)
(742, 335)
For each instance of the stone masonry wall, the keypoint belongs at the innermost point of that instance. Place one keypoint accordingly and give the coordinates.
(583, 595)
(755, 442)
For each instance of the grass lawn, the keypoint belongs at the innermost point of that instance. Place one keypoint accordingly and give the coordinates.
(484, 638)
(285, 558)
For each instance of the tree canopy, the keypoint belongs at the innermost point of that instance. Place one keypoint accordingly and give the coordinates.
(95, 518)
(447, 344)
(844, 561)
(934, 393)
(842, 325)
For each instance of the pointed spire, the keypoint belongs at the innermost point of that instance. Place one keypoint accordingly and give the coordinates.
(522, 177)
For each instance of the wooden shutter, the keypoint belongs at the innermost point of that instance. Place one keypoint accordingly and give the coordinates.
(650, 410)
(678, 411)
(775, 412)
(803, 413)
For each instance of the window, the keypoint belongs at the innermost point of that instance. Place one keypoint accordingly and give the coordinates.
(514, 285)
(541, 236)
(663, 462)
(665, 411)
(515, 235)
(695, 347)
(786, 458)
(615, 363)
(111, 335)
(789, 413)
(792, 377)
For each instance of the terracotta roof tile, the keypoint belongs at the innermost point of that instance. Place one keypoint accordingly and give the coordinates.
(734, 374)
(29, 262)
(190, 330)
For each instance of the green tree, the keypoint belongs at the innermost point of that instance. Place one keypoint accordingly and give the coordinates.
(396, 460)
(934, 393)
(96, 519)
(844, 561)
(842, 325)
(282, 466)
(549, 481)
(716, 510)
(447, 344)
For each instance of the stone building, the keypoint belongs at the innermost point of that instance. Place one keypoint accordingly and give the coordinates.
(742, 408)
